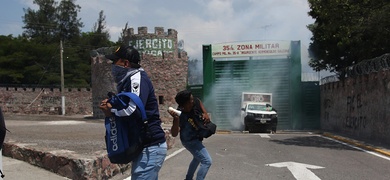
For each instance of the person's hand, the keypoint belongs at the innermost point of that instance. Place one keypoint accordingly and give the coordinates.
(106, 108)
(172, 113)
(206, 118)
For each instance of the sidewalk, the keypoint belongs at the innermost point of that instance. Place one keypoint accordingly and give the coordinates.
(377, 147)
(16, 169)
(69, 146)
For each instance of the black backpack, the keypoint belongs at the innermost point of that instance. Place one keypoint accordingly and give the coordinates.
(204, 130)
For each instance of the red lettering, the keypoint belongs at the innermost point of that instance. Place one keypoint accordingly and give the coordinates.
(228, 48)
(244, 47)
(267, 46)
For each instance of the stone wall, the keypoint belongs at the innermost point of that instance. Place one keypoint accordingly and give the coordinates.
(165, 63)
(102, 83)
(358, 106)
(45, 100)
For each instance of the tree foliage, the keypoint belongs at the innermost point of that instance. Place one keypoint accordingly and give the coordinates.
(100, 36)
(41, 24)
(34, 57)
(68, 23)
(346, 32)
(52, 22)
(27, 62)
(124, 32)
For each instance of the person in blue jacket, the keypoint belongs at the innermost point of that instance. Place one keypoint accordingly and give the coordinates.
(131, 77)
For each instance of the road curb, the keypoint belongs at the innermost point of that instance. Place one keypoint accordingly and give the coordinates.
(69, 164)
(223, 132)
(357, 144)
(65, 164)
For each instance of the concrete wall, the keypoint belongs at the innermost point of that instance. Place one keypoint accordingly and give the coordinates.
(14, 100)
(358, 106)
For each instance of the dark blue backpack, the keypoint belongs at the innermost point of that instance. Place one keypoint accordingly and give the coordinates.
(125, 136)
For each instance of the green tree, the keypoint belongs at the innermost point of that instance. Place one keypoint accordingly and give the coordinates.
(41, 24)
(23, 61)
(77, 69)
(100, 36)
(34, 57)
(69, 25)
(123, 33)
(48, 25)
(52, 22)
(346, 32)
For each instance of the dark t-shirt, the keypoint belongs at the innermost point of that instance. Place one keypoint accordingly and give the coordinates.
(188, 128)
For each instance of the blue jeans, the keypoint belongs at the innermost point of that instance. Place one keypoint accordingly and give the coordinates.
(200, 155)
(149, 163)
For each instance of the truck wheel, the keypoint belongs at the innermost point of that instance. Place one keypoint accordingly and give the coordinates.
(273, 127)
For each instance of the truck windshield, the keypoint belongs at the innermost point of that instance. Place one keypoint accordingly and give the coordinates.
(259, 107)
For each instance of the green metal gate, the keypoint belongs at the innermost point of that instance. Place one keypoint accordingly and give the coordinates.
(311, 104)
(226, 79)
(234, 77)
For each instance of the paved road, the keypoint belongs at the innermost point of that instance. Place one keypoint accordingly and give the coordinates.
(300, 156)
(236, 156)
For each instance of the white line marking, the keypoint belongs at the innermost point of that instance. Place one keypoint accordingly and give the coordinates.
(219, 155)
(166, 158)
(358, 148)
(68, 122)
(174, 153)
(264, 135)
(299, 170)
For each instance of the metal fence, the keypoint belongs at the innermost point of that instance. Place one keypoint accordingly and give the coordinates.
(329, 79)
(365, 67)
(369, 66)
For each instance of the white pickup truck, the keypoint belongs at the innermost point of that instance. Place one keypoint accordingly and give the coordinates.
(259, 116)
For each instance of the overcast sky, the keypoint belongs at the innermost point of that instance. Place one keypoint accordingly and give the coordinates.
(198, 22)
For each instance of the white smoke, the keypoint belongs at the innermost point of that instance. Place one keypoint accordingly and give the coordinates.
(229, 87)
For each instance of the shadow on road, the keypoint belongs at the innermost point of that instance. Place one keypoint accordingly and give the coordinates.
(313, 141)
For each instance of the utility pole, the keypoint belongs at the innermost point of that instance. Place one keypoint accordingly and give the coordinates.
(62, 80)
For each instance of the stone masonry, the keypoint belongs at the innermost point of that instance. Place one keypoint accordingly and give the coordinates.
(165, 63)
(358, 106)
(21, 100)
